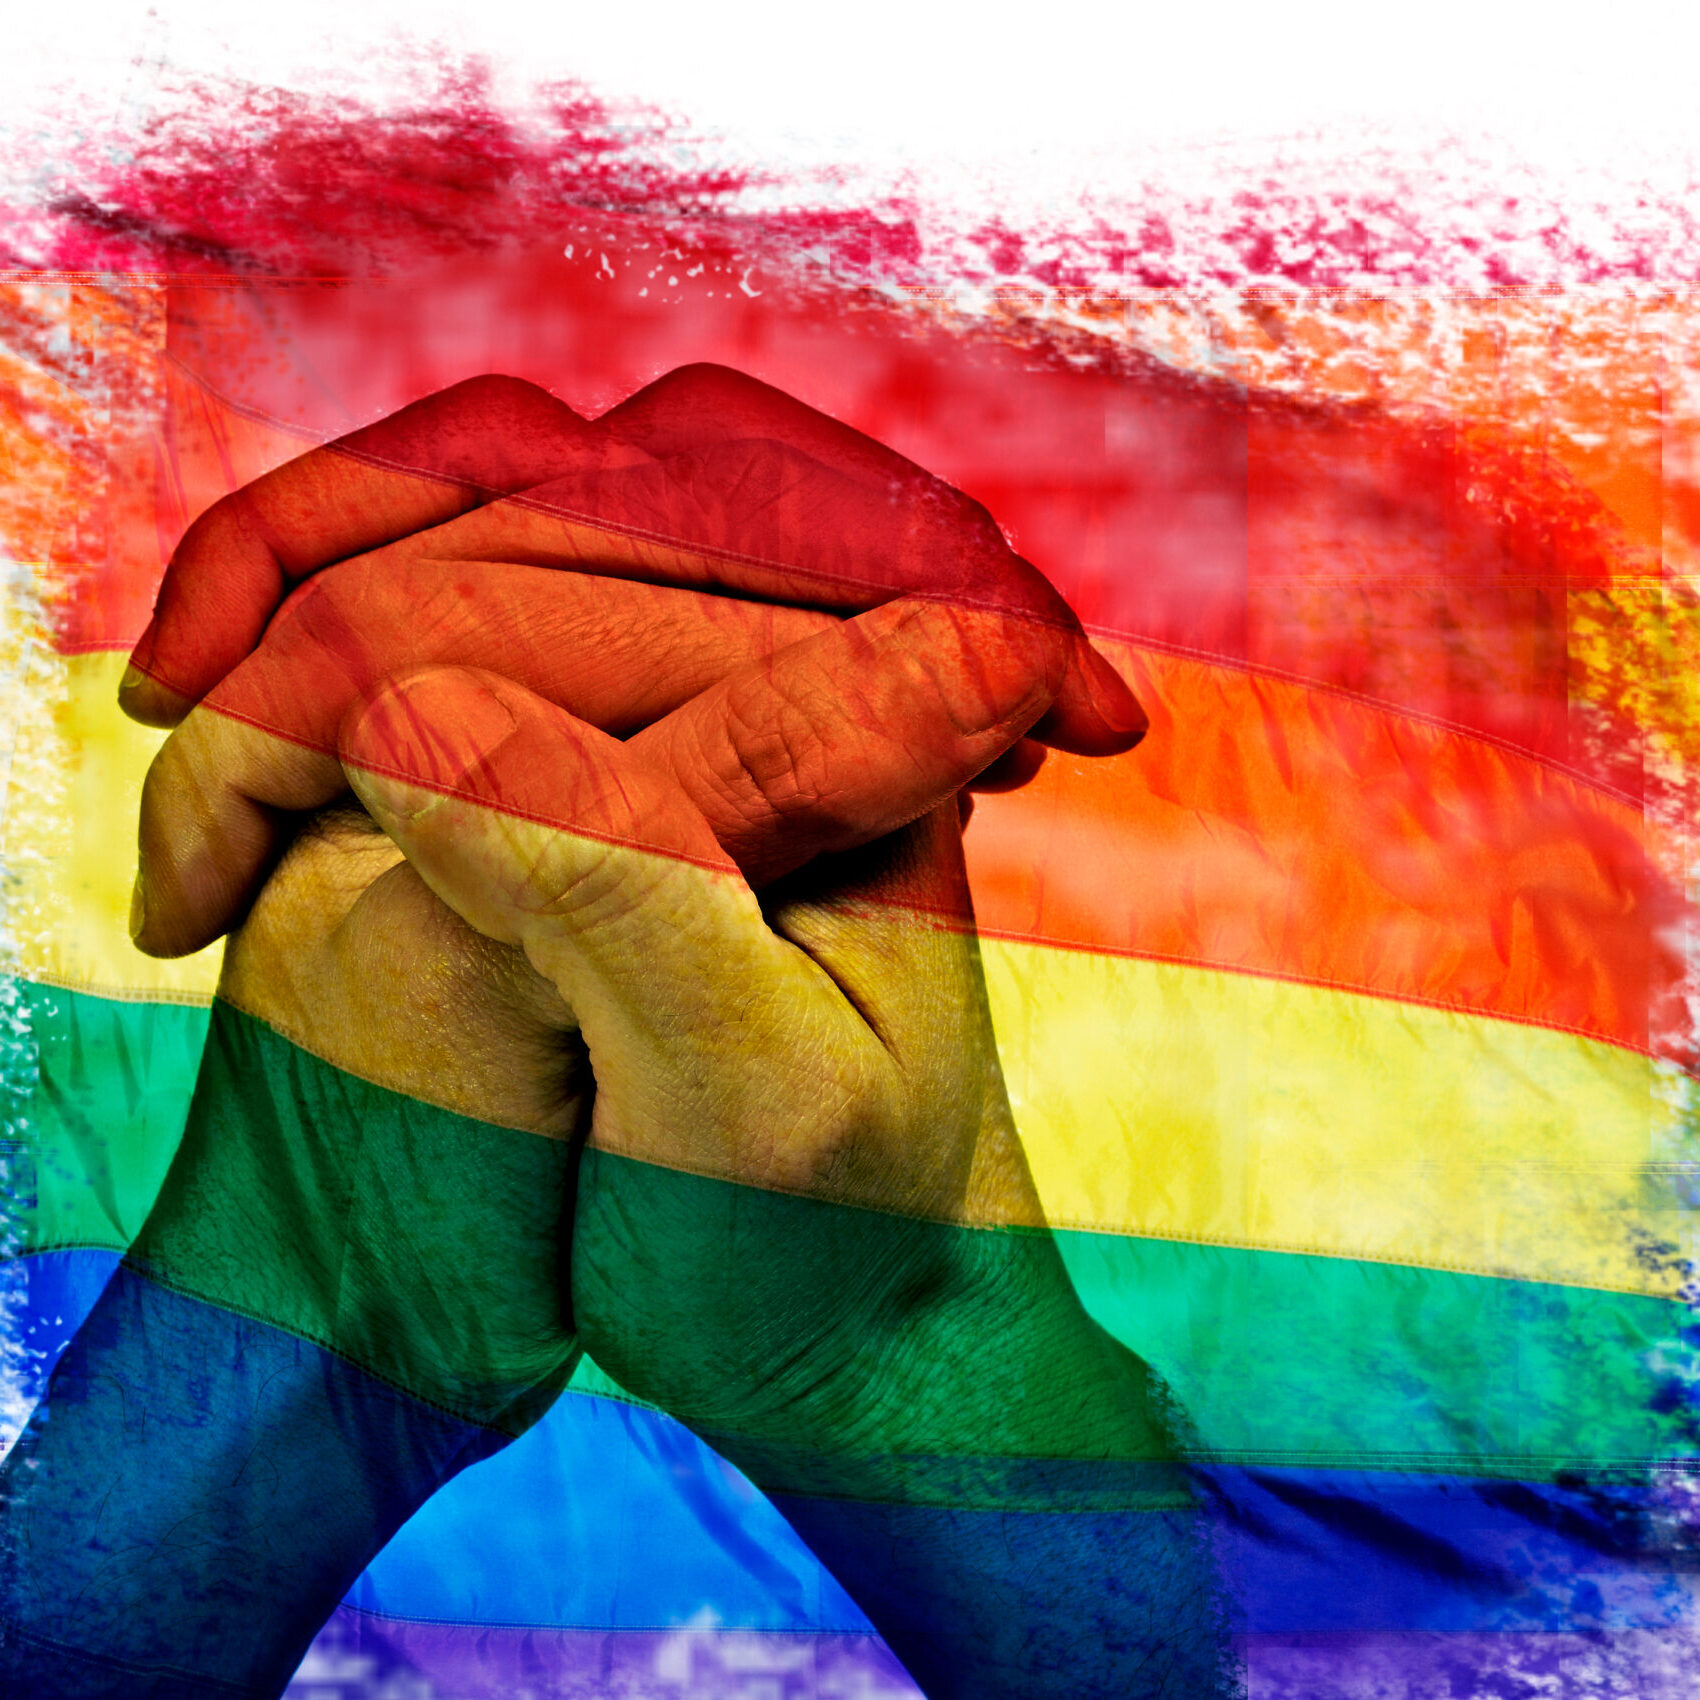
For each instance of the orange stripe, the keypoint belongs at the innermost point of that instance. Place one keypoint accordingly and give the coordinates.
(1275, 828)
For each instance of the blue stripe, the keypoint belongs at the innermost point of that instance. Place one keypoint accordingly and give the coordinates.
(197, 1492)
(605, 1516)
(616, 1517)
(1337, 1551)
(45, 1297)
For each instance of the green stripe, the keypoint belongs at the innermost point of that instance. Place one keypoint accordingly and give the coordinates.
(104, 1116)
(420, 1245)
(835, 1352)
(1288, 1359)
(1275, 1357)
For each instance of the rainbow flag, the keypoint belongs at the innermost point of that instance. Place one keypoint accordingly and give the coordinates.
(1346, 1021)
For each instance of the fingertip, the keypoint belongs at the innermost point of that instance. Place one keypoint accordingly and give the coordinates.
(145, 700)
(1094, 713)
(214, 815)
(177, 901)
(138, 909)
(166, 950)
(1115, 704)
(394, 803)
(163, 929)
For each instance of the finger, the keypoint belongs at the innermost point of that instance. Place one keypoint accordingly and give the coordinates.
(760, 518)
(839, 739)
(694, 407)
(697, 408)
(1095, 713)
(706, 477)
(542, 832)
(347, 954)
(215, 805)
(829, 743)
(417, 468)
(212, 823)
(615, 652)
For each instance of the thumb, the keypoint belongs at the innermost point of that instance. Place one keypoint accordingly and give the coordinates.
(710, 1037)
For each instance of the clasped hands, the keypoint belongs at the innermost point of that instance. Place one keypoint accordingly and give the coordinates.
(656, 851)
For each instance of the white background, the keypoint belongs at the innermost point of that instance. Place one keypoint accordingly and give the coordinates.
(1045, 92)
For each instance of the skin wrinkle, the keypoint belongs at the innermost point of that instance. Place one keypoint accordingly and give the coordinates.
(331, 633)
(937, 628)
(577, 625)
(843, 1149)
(764, 742)
(856, 1090)
(385, 930)
(770, 757)
(539, 529)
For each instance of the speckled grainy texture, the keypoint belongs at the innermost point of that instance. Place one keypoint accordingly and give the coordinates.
(1638, 1663)
(1546, 326)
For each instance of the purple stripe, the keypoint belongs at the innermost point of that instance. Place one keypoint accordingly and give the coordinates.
(359, 1655)
(1648, 1664)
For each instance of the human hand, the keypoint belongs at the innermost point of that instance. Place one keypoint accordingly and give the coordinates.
(512, 1023)
(804, 1224)
(368, 1285)
(869, 725)
(707, 483)
(350, 954)
(348, 944)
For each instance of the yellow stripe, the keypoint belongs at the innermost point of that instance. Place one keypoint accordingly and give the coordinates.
(70, 831)
(1191, 1104)
(1153, 1099)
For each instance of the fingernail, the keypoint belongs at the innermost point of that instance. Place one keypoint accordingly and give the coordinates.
(144, 698)
(138, 907)
(388, 799)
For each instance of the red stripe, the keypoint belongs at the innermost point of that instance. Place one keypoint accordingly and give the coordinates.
(1401, 562)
